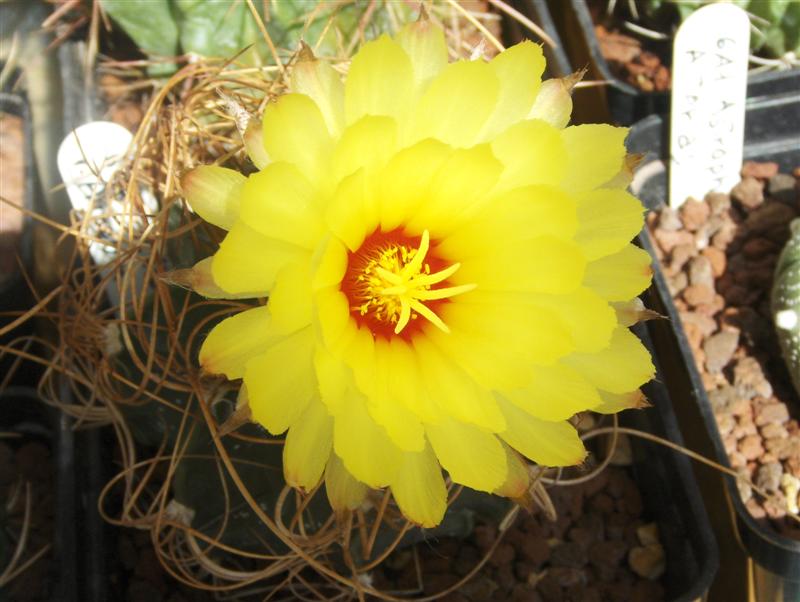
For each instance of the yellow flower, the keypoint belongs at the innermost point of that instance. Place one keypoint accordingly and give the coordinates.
(444, 261)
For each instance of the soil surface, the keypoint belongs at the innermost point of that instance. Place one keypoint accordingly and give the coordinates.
(719, 257)
(600, 549)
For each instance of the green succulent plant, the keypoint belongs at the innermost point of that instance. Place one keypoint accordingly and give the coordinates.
(775, 24)
(169, 28)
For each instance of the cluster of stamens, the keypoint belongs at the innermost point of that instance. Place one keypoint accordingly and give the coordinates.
(396, 285)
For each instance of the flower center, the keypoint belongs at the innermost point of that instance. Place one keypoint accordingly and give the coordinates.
(393, 279)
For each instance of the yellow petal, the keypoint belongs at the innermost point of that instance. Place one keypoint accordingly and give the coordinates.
(454, 391)
(335, 379)
(519, 70)
(617, 402)
(518, 479)
(535, 334)
(368, 143)
(213, 193)
(248, 261)
(588, 317)
(278, 202)
(622, 367)
(344, 491)
(472, 456)
(425, 45)
(609, 220)
(328, 264)
(403, 427)
(317, 80)
(253, 139)
(332, 316)
(308, 447)
(280, 382)
(546, 443)
(380, 81)
(237, 339)
(532, 153)
(199, 279)
(295, 132)
(519, 214)
(457, 190)
(595, 154)
(419, 489)
(555, 392)
(620, 276)
(404, 182)
(365, 448)
(351, 214)
(409, 389)
(290, 299)
(542, 265)
(457, 104)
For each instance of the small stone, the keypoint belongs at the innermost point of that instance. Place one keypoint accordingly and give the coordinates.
(755, 509)
(774, 430)
(721, 399)
(503, 555)
(771, 412)
(694, 214)
(606, 556)
(677, 283)
(680, 255)
(790, 485)
(743, 485)
(784, 448)
(768, 476)
(536, 551)
(762, 171)
(719, 202)
(700, 272)
(717, 259)
(750, 447)
(669, 239)
(775, 506)
(648, 561)
(725, 424)
(737, 460)
(749, 379)
(782, 188)
(668, 219)
(698, 294)
(479, 588)
(648, 534)
(749, 193)
(564, 576)
(719, 349)
(705, 324)
(724, 236)
(768, 217)
(757, 248)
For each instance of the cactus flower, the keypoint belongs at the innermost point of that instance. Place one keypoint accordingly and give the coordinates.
(448, 270)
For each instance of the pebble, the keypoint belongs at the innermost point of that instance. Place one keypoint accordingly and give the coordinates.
(719, 349)
(648, 561)
(698, 294)
(748, 376)
(668, 220)
(749, 193)
(782, 188)
(771, 412)
(750, 447)
(693, 214)
(743, 485)
(701, 272)
(718, 202)
(717, 260)
(762, 171)
(768, 476)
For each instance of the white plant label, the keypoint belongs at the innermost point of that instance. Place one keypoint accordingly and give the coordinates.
(709, 89)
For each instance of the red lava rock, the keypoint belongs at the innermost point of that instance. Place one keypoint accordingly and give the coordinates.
(771, 412)
(698, 294)
(536, 551)
(768, 217)
(750, 447)
(694, 214)
(503, 555)
(762, 171)
(603, 503)
(606, 557)
(756, 248)
(749, 193)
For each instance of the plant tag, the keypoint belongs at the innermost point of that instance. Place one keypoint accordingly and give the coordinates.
(709, 89)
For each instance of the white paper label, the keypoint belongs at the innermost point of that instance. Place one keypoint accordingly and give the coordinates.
(709, 89)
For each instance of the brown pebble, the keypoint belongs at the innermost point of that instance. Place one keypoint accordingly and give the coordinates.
(536, 551)
(750, 447)
(694, 214)
(749, 193)
(717, 259)
(719, 349)
(718, 202)
(668, 240)
(503, 555)
(762, 171)
(771, 412)
(698, 294)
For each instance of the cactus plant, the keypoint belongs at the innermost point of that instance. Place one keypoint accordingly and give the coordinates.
(775, 23)
(786, 302)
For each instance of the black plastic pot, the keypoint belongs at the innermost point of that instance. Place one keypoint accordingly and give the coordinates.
(627, 104)
(558, 64)
(772, 134)
(670, 493)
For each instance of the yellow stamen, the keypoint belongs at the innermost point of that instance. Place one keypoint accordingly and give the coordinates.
(396, 283)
